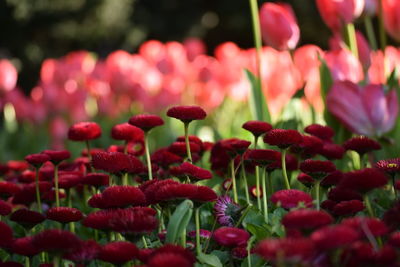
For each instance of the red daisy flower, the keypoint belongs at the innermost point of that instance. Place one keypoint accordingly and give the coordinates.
(27, 218)
(127, 132)
(64, 214)
(282, 138)
(305, 219)
(23, 246)
(332, 237)
(146, 122)
(28, 193)
(5, 208)
(116, 162)
(361, 144)
(390, 166)
(239, 252)
(219, 157)
(323, 132)
(37, 159)
(56, 241)
(96, 179)
(134, 220)
(262, 156)
(328, 205)
(291, 198)
(231, 236)
(83, 131)
(164, 158)
(332, 179)
(192, 138)
(306, 180)
(179, 148)
(99, 220)
(186, 191)
(121, 196)
(56, 156)
(170, 255)
(144, 254)
(288, 249)
(8, 189)
(386, 256)
(234, 146)
(348, 208)
(118, 252)
(194, 172)
(187, 113)
(366, 226)
(318, 169)
(332, 151)
(69, 180)
(343, 194)
(84, 253)
(6, 235)
(364, 180)
(394, 239)
(257, 128)
(308, 148)
(17, 165)
(150, 189)
(291, 164)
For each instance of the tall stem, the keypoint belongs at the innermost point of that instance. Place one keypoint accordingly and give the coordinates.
(39, 203)
(146, 147)
(285, 177)
(255, 141)
(382, 33)
(264, 189)
(189, 154)
(258, 187)
(257, 36)
(235, 196)
(317, 193)
(197, 218)
(368, 205)
(370, 32)
(246, 186)
(56, 185)
(89, 154)
(351, 38)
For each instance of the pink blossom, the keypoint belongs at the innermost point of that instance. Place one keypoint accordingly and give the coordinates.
(8, 76)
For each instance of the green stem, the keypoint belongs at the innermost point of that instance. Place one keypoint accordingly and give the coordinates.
(351, 38)
(189, 154)
(146, 147)
(246, 186)
(257, 36)
(183, 238)
(126, 147)
(27, 262)
(144, 242)
(39, 203)
(255, 141)
(197, 218)
(382, 33)
(285, 177)
(264, 189)
(244, 213)
(269, 184)
(258, 187)
(56, 185)
(125, 179)
(394, 191)
(89, 154)
(235, 195)
(317, 193)
(369, 28)
(369, 207)
(56, 261)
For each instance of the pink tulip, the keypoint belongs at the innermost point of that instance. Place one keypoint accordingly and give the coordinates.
(391, 17)
(367, 111)
(279, 26)
(344, 66)
(8, 76)
(337, 13)
(383, 64)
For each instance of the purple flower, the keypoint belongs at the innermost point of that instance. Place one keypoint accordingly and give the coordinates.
(226, 211)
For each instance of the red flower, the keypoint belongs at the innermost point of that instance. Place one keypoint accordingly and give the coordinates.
(332, 151)
(8, 189)
(17, 165)
(361, 144)
(37, 159)
(283, 138)
(99, 220)
(179, 148)
(257, 128)
(127, 132)
(55, 240)
(6, 235)
(134, 220)
(27, 218)
(5, 208)
(234, 146)
(291, 198)
(262, 156)
(118, 196)
(348, 208)
(23, 246)
(306, 219)
(192, 138)
(56, 156)
(308, 148)
(116, 162)
(150, 189)
(391, 18)
(64, 214)
(366, 226)
(187, 113)
(332, 237)
(318, 169)
(28, 193)
(390, 166)
(69, 180)
(288, 249)
(171, 256)
(306, 180)
(239, 252)
(186, 191)
(146, 122)
(84, 253)
(96, 179)
(394, 239)
(164, 158)
(325, 133)
(364, 180)
(231, 236)
(392, 217)
(118, 252)
(194, 171)
(343, 194)
(83, 131)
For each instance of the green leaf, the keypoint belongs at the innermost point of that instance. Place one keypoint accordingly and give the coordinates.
(254, 217)
(258, 106)
(257, 230)
(326, 80)
(223, 256)
(209, 260)
(179, 221)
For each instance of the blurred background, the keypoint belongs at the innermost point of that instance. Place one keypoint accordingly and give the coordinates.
(36, 30)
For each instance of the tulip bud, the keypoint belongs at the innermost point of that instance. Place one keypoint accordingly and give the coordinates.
(8, 76)
(391, 17)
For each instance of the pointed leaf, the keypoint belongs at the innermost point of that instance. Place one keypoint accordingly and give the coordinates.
(258, 105)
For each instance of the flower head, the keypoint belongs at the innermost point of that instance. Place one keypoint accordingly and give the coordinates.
(306, 219)
(282, 138)
(127, 132)
(146, 122)
(134, 220)
(64, 214)
(325, 133)
(27, 218)
(84, 253)
(332, 237)
(390, 166)
(187, 113)
(318, 169)
(37, 159)
(348, 208)
(262, 156)
(364, 180)
(361, 144)
(84, 131)
(118, 252)
(118, 196)
(23, 246)
(291, 198)
(6, 234)
(5, 208)
(226, 211)
(55, 241)
(257, 128)
(56, 156)
(231, 236)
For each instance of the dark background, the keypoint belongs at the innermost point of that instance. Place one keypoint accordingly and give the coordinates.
(32, 30)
